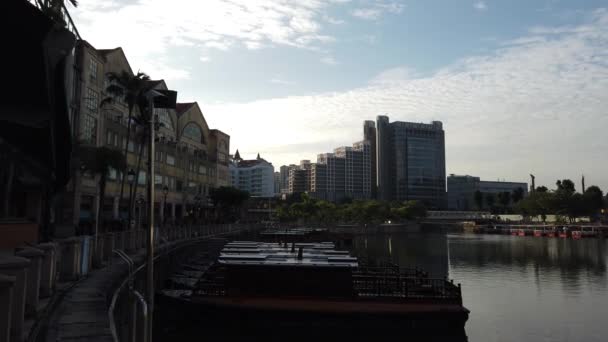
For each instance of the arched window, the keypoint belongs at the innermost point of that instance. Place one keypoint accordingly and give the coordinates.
(192, 131)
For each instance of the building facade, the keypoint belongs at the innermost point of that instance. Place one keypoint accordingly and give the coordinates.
(190, 159)
(462, 189)
(410, 162)
(255, 176)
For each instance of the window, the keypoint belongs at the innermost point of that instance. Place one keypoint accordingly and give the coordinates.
(89, 129)
(170, 159)
(171, 183)
(141, 180)
(91, 100)
(93, 69)
(109, 137)
(164, 118)
(202, 170)
(179, 185)
(124, 143)
(112, 174)
(116, 139)
(131, 147)
(158, 179)
(192, 131)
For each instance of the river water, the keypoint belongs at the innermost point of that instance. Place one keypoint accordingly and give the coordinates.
(517, 288)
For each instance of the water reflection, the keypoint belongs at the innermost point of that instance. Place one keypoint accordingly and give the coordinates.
(517, 288)
(428, 251)
(569, 262)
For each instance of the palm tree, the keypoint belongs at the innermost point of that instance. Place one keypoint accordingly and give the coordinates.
(99, 161)
(54, 9)
(131, 89)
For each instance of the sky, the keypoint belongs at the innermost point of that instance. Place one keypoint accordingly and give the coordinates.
(521, 86)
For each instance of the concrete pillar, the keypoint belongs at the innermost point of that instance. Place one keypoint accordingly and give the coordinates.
(130, 241)
(71, 255)
(108, 246)
(32, 294)
(115, 208)
(6, 295)
(142, 238)
(119, 240)
(48, 273)
(98, 252)
(16, 267)
(162, 211)
(173, 212)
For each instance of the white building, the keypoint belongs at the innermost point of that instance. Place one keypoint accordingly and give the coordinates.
(255, 176)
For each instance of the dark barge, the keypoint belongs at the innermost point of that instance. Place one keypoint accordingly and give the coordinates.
(310, 290)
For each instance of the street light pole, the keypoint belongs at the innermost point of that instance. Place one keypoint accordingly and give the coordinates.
(150, 249)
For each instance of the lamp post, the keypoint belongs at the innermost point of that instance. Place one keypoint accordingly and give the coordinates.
(159, 99)
(131, 180)
(165, 192)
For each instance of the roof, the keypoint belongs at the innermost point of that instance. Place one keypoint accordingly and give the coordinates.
(181, 108)
(250, 163)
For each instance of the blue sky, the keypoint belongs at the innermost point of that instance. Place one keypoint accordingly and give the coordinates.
(521, 86)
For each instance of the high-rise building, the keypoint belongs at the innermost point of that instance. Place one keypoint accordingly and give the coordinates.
(298, 180)
(369, 134)
(284, 175)
(277, 183)
(411, 162)
(461, 191)
(346, 173)
(255, 176)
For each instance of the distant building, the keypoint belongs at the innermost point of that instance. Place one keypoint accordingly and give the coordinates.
(284, 175)
(277, 183)
(255, 176)
(462, 188)
(346, 173)
(298, 180)
(369, 134)
(410, 162)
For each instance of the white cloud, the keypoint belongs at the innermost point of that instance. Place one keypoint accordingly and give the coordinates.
(148, 30)
(205, 59)
(279, 80)
(329, 60)
(376, 9)
(480, 6)
(522, 109)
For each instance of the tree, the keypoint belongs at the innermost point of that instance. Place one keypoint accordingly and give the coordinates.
(54, 9)
(566, 186)
(594, 200)
(228, 199)
(541, 188)
(504, 198)
(100, 161)
(479, 199)
(131, 89)
(517, 195)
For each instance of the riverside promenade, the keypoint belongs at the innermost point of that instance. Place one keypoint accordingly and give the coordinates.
(65, 290)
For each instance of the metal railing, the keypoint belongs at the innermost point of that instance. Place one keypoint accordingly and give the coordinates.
(123, 318)
(401, 287)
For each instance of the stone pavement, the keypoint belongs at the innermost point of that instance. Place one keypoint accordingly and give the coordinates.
(82, 314)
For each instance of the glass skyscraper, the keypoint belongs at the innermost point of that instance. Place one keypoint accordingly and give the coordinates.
(410, 162)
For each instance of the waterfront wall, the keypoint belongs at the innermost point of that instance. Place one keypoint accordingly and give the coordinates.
(63, 289)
